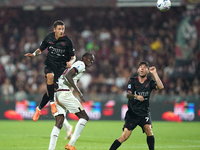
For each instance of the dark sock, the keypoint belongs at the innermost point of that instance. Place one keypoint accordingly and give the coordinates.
(44, 101)
(50, 89)
(115, 145)
(150, 142)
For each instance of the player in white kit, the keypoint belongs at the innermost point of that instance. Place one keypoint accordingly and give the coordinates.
(67, 101)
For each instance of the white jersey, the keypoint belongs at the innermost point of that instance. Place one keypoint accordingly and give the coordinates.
(63, 83)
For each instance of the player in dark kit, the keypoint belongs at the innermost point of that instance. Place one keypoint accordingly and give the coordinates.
(138, 113)
(61, 55)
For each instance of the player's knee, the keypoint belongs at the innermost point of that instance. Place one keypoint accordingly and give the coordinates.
(60, 126)
(148, 131)
(86, 117)
(59, 121)
(50, 77)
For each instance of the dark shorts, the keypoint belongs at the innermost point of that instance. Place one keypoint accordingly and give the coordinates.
(131, 121)
(55, 70)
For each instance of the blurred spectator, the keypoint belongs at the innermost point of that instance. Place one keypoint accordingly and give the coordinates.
(2, 74)
(9, 68)
(7, 90)
(20, 94)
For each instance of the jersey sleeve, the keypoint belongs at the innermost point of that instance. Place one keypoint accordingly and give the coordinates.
(79, 66)
(153, 84)
(130, 85)
(44, 44)
(71, 48)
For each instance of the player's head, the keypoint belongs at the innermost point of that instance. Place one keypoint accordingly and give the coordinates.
(88, 59)
(143, 69)
(59, 28)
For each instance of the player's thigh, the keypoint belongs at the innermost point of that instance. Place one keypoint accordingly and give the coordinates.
(60, 110)
(145, 121)
(57, 73)
(131, 121)
(47, 70)
(69, 101)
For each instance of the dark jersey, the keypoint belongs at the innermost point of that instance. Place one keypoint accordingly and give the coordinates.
(135, 106)
(59, 51)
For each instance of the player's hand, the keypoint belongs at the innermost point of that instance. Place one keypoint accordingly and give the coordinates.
(29, 55)
(152, 69)
(140, 98)
(69, 64)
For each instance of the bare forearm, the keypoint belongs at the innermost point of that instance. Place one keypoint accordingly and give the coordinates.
(131, 96)
(37, 52)
(73, 59)
(160, 85)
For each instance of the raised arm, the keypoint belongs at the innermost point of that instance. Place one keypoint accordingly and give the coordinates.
(160, 85)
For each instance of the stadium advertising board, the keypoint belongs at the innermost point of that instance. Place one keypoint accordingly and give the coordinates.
(109, 110)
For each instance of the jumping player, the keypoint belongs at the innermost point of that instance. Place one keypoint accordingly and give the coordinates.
(138, 113)
(61, 55)
(66, 101)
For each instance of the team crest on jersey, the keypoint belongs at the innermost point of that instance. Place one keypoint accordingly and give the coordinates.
(129, 86)
(146, 85)
(63, 43)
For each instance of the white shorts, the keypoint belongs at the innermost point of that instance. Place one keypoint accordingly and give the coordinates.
(67, 101)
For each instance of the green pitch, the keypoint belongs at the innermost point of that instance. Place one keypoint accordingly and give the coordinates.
(98, 135)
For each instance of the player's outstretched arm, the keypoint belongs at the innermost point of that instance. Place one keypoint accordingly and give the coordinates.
(37, 52)
(69, 77)
(160, 85)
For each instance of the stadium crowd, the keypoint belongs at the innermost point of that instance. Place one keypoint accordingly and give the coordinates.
(118, 37)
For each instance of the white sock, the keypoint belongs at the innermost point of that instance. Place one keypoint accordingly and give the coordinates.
(66, 124)
(38, 108)
(54, 136)
(79, 128)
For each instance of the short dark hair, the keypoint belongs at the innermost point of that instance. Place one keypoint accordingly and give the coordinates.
(87, 55)
(143, 63)
(58, 22)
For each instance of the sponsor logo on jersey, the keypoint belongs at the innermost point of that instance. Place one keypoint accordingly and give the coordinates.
(129, 86)
(57, 51)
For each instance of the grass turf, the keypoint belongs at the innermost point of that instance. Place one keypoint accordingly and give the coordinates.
(98, 135)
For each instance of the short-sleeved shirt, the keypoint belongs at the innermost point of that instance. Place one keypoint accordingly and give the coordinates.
(63, 83)
(135, 106)
(59, 51)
